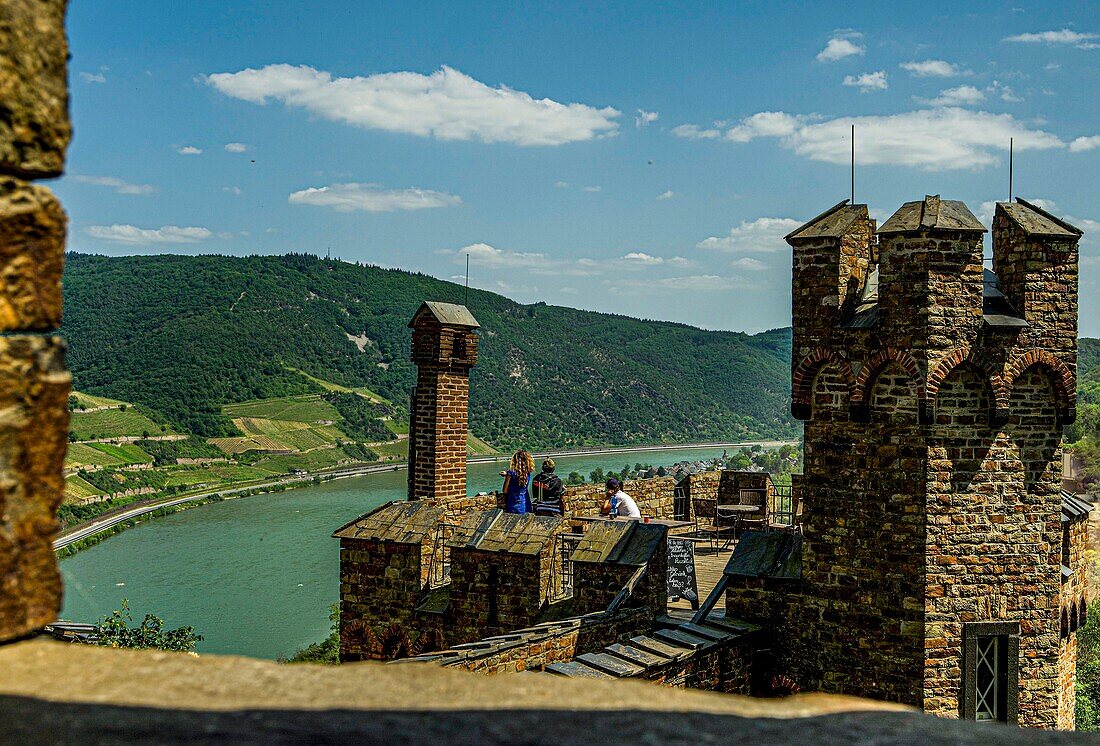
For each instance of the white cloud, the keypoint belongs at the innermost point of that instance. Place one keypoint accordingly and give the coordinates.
(868, 82)
(962, 95)
(695, 132)
(235, 147)
(189, 150)
(838, 48)
(760, 236)
(666, 195)
(643, 117)
(748, 264)
(93, 77)
(593, 188)
(642, 259)
(111, 182)
(764, 124)
(1003, 92)
(131, 234)
(932, 69)
(232, 189)
(372, 198)
(1053, 67)
(446, 105)
(1085, 143)
(931, 139)
(561, 184)
(1065, 36)
(484, 256)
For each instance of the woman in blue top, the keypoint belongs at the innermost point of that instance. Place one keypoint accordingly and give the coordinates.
(516, 481)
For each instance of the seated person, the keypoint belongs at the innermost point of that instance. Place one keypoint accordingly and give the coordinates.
(619, 503)
(547, 491)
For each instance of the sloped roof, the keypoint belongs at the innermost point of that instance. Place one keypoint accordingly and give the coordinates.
(932, 213)
(832, 223)
(767, 555)
(1037, 221)
(497, 531)
(1074, 508)
(446, 314)
(620, 542)
(403, 522)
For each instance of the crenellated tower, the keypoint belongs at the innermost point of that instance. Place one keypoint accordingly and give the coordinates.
(933, 393)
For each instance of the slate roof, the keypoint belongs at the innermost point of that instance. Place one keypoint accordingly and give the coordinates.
(832, 223)
(497, 531)
(404, 522)
(446, 314)
(620, 542)
(1037, 221)
(932, 213)
(767, 555)
(996, 310)
(1074, 508)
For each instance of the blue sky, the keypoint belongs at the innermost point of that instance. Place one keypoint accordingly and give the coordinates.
(643, 159)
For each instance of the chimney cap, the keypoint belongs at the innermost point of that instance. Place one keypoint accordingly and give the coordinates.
(932, 213)
(1037, 221)
(444, 314)
(830, 224)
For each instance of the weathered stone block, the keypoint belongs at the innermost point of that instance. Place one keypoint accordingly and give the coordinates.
(34, 422)
(32, 255)
(34, 120)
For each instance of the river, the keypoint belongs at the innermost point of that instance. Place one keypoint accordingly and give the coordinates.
(256, 576)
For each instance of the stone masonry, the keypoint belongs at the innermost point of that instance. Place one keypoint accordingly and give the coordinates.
(34, 385)
(933, 396)
(444, 348)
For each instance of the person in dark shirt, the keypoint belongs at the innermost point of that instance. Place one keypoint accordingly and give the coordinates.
(547, 491)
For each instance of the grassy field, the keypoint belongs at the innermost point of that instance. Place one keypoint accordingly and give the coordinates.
(105, 454)
(475, 446)
(89, 401)
(307, 408)
(76, 489)
(330, 386)
(397, 427)
(113, 423)
(398, 449)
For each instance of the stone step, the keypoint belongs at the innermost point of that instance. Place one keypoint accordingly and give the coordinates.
(706, 633)
(676, 637)
(576, 669)
(730, 625)
(610, 664)
(635, 655)
(668, 651)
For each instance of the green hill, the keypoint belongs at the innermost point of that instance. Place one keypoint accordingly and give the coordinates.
(185, 336)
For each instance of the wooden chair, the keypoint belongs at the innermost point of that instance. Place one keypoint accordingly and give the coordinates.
(758, 499)
(704, 516)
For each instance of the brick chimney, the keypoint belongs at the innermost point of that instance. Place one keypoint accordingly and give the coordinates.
(444, 348)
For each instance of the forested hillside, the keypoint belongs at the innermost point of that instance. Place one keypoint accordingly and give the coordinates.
(186, 335)
(1085, 432)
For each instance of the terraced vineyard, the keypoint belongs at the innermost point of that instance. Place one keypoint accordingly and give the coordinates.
(117, 422)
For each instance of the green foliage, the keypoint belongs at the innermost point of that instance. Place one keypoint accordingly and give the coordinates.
(325, 651)
(111, 423)
(1088, 672)
(165, 452)
(597, 476)
(114, 631)
(360, 416)
(186, 335)
(575, 478)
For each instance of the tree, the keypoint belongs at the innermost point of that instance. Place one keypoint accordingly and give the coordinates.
(574, 478)
(597, 475)
(114, 631)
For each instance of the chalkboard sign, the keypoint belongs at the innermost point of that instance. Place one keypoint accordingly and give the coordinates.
(681, 571)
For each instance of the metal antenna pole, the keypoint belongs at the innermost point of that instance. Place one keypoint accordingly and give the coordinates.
(1010, 154)
(466, 300)
(853, 164)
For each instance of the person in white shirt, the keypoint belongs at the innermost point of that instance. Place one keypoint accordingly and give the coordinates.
(618, 501)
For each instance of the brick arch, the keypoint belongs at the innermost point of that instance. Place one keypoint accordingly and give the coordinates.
(802, 380)
(1059, 374)
(874, 366)
(957, 358)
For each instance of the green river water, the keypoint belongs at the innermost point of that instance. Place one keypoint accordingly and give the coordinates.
(256, 576)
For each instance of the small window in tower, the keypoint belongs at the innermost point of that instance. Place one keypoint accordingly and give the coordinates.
(990, 671)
